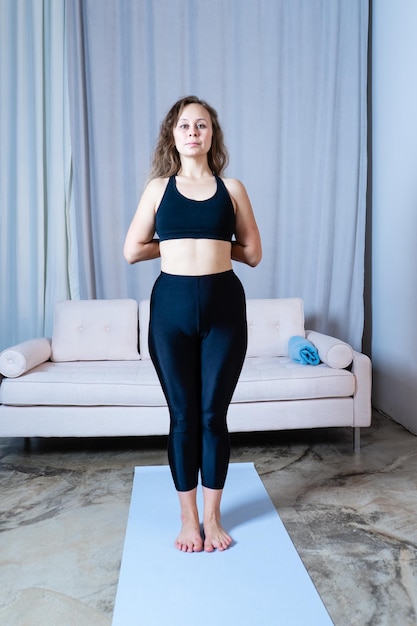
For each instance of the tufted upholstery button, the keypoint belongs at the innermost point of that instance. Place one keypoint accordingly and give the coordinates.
(108, 329)
(81, 328)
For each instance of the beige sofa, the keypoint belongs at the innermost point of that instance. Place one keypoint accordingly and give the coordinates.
(94, 376)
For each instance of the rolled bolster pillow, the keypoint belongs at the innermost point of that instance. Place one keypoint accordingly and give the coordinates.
(18, 359)
(301, 350)
(334, 352)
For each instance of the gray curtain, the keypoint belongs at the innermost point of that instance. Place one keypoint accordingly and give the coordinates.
(288, 78)
(38, 256)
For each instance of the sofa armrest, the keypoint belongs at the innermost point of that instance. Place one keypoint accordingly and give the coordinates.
(18, 359)
(362, 398)
(361, 368)
(334, 352)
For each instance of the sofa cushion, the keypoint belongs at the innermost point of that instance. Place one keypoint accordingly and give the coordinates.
(144, 311)
(268, 379)
(21, 358)
(334, 352)
(271, 323)
(87, 383)
(135, 383)
(95, 330)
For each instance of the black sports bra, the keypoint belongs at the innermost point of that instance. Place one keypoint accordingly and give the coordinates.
(179, 217)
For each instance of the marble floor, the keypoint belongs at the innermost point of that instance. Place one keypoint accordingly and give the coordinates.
(353, 519)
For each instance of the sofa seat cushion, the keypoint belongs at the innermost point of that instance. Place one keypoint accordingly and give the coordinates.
(86, 383)
(135, 383)
(265, 379)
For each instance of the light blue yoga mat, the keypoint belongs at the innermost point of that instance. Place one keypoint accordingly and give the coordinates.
(259, 581)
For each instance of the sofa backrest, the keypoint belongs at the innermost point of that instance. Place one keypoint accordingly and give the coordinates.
(144, 306)
(271, 322)
(107, 329)
(95, 330)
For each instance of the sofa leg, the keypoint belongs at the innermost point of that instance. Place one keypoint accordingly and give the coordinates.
(356, 439)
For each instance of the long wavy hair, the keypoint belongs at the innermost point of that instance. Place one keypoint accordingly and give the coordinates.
(166, 160)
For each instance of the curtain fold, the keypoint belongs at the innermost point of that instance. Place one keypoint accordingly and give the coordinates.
(35, 168)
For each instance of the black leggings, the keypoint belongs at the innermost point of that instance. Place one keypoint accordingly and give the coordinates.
(197, 342)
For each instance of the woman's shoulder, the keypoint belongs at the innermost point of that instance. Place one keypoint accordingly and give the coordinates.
(154, 191)
(156, 186)
(234, 186)
(157, 183)
(233, 183)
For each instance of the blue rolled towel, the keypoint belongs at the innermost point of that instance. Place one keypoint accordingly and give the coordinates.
(302, 351)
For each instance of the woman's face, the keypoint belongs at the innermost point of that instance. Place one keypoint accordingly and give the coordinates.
(193, 131)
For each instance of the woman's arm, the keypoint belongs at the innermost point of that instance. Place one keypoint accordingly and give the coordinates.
(247, 248)
(140, 244)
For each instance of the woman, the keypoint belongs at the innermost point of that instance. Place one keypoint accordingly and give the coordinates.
(198, 331)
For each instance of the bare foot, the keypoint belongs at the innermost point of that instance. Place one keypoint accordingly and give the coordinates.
(216, 538)
(189, 539)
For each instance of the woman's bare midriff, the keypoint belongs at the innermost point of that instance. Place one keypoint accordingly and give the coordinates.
(195, 257)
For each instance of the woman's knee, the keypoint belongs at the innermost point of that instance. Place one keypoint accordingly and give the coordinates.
(214, 421)
(185, 422)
